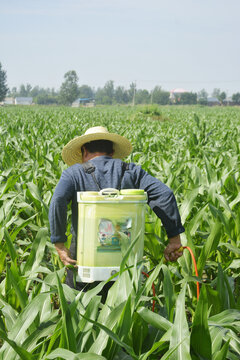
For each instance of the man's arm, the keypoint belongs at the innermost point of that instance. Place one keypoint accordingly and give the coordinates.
(64, 254)
(162, 201)
(63, 194)
(172, 251)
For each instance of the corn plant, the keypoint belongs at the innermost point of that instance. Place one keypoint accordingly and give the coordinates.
(195, 151)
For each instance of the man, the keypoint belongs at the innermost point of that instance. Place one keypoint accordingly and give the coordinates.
(104, 151)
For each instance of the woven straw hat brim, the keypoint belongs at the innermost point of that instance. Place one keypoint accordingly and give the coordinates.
(71, 152)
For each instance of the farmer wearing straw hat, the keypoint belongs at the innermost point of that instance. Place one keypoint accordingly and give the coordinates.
(104, 150)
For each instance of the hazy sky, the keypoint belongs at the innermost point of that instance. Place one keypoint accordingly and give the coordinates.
(192, 44)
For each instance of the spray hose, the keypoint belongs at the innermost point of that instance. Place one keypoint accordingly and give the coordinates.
(196, 272)
(153, 290)
(195, 266)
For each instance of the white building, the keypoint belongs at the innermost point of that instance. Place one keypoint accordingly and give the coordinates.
(23, 101)
(212, 101)
(9, 101)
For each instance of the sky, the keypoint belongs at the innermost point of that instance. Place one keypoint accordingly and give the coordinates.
(190, 44)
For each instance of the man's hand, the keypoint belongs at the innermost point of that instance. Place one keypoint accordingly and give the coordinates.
(172, 252)
(64, 254)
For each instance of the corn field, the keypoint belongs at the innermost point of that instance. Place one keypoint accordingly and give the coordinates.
(196, 152)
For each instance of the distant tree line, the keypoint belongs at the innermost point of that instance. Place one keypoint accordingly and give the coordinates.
(107, 95)
(3, 83)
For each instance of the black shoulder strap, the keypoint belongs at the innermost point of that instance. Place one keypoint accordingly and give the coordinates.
(125, 166)
(89, 168)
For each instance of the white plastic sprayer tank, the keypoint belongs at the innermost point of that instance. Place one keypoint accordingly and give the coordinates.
(105, 220)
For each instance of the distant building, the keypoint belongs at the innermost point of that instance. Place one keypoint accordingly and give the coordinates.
(212, 101)
(9, 101)
(23, 101)
(228, 101)
(85, 102)
(175, 94)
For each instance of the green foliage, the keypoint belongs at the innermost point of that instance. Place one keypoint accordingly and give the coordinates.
(142, 97)
(196, 153)
(3, 83)
(85, 91)
(236, 98)
(40, 96)
(160, 96)
(222, 96)
(187, 98)
(121, 95)
(69, 89)
(105, 95)
(200, 329)
(46, 99)
(151, 110)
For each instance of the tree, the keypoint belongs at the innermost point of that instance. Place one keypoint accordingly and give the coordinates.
(132, 92)
(222, 96)
(13, 92)
(25, 91)
(35, 91)
(188, 98)
(28, 89)
(121, 95)
(3, 83)
(46, 99)
(86, 92)
(219, 95)
(202, 94)
(105, 95)
(102, 98)
(236, 98)
(69, 89)
(99, 96)
(22, 91)
(202, 97)
(44, 96)
(160, 96)
(142, 97)
(109, 90)
(216, 92)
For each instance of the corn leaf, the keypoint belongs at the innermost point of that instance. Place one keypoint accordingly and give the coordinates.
(180, 336)
(24, 355)
(210, 245)
(155, 320)
(37, 251)
(11, 249)
(68, 339)
(69, 355)
(168, 292)
(200, 329)
(222, 354)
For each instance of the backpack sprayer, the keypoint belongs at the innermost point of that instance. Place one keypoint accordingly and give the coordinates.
(102, 217)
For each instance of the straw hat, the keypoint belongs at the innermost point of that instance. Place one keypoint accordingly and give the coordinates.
(71, 153)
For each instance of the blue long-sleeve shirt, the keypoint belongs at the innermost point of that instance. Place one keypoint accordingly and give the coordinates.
(108, 173)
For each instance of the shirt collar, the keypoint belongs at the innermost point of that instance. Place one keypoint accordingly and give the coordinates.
(101, 157)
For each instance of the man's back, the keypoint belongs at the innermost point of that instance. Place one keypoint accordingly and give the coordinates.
(108, 174)
(103, 151)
